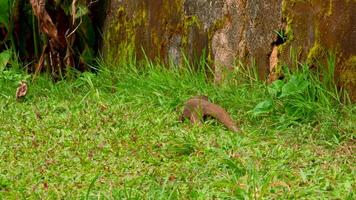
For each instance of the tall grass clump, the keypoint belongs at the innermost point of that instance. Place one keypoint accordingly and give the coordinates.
(305, 95)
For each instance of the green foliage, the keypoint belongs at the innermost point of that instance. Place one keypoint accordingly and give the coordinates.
(116, 135)
(5, 10)
(6, 20)
(282, 35)
(296, 86)
(5, 57)
(82, 11)
(263, 107)
(301, 95)
(80, 52)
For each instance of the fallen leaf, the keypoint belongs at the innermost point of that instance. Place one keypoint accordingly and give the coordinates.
(21, 90)
(45, 185)
(172, 178)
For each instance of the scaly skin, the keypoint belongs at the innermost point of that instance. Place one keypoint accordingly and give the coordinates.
(198, 107)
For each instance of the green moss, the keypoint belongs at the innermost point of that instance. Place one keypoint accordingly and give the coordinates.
(218, 24)
(289, 30)
(188, 22)
(330, 9)
(192, 20)
(284, 6)
(289, 3)
(119, 38)
(348, 76)
(351, 62)
(314, 53)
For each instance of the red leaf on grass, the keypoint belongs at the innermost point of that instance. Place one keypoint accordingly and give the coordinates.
(21, 90)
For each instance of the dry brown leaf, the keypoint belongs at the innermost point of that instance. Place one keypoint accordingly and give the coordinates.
(68, 58)
(74, 9)
(172, 178)
(39, 65)
(273, 62)
(21, 90)
(45, 21)
(273, 59)
(280, 184)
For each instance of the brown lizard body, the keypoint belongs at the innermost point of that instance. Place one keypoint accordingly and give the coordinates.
(199, 107)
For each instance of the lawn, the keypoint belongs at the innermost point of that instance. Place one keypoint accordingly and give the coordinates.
(115, 134)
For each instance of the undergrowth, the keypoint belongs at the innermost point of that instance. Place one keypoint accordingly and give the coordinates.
(115, 134)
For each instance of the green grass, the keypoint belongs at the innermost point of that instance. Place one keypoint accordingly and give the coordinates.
(116, 135)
